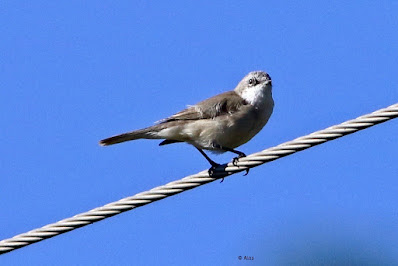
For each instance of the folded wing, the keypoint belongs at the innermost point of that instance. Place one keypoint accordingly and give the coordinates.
(222, 104)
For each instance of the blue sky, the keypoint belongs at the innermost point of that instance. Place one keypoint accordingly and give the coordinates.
(74, 72)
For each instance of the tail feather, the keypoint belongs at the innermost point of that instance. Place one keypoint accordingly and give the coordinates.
(145, 133)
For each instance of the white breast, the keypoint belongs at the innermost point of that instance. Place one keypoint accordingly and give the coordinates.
(260, 97)
(255, 95)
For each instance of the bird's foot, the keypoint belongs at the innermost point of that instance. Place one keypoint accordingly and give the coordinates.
(236, 159)
(212, 170)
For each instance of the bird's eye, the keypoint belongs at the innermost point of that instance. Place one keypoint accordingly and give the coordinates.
(252, 81)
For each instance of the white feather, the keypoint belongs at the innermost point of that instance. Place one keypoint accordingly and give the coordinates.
(254, 95)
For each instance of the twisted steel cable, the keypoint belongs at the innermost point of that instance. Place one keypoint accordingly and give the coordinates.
(199, 179)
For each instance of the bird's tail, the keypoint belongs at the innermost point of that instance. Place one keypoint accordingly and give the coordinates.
(145, 133)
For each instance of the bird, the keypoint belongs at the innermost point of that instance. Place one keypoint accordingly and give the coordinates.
(219, 124)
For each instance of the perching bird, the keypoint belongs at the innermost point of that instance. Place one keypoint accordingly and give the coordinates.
(219, 124)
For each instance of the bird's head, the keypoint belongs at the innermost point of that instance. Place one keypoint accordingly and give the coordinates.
(254, 87)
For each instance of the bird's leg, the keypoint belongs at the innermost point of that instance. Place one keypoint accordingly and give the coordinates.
(214, 165)
(236, 159)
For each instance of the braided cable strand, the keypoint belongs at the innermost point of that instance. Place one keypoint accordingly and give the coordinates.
(198, 179)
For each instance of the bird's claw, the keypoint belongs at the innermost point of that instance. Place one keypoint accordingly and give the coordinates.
(236, 159)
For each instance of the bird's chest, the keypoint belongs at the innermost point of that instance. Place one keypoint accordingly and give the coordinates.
(246, 125)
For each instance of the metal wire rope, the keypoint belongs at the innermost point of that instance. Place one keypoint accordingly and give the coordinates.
(199, 179)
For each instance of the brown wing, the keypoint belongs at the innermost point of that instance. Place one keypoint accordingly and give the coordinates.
(221, 104)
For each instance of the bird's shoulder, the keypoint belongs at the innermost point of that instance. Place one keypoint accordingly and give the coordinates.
(222, 104)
